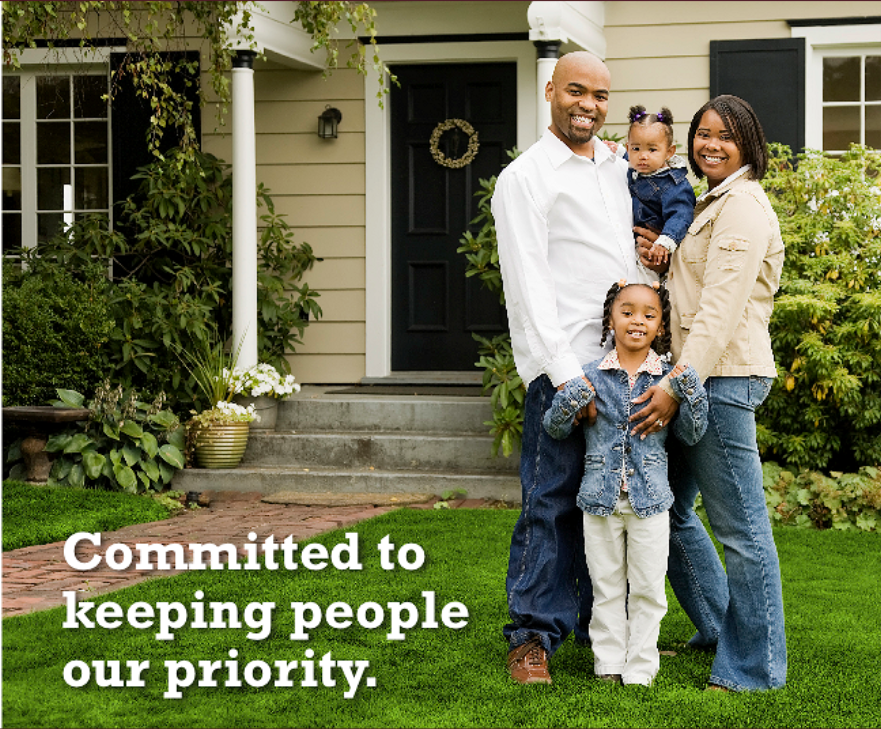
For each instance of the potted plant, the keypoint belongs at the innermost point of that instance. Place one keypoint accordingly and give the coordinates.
(261, 387)
(217, 435)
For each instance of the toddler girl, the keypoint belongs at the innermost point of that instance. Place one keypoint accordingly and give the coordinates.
(624, 491)
(663, 198)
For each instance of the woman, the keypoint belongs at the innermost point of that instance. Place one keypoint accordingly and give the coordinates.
(722, 282)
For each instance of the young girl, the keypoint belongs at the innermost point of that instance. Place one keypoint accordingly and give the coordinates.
(624, 491)
(663, 198)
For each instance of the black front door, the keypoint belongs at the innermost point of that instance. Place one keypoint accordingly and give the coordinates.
(435, 308)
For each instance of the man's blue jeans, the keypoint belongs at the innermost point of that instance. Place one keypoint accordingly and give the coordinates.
(549, 592)
(740, 612)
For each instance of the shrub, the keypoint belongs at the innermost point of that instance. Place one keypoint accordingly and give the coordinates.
(171, 256)
(824, 411)
(500, 379)
(55, 329)
(812, 499)
(126, 445)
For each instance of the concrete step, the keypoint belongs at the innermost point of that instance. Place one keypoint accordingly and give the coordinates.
(270, 480)
(320, 408)
(395, 451)
(325, 441)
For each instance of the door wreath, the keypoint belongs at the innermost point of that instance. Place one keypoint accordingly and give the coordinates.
(470, 153)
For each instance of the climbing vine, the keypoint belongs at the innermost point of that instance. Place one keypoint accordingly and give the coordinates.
(151, 28)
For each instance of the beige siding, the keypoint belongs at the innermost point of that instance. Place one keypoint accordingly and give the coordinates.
(682, 13)
(318, 185)
(430, 17)
(658, 53)
(332, 337)
(341, 179)
(342, 305)
(327, 368)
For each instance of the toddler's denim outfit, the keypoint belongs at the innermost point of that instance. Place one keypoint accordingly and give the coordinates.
(625, 495)
(663, 201)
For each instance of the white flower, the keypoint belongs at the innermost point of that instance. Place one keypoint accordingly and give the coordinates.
(262, 379)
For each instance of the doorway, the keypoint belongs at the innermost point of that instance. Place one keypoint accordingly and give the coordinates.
(435, 308)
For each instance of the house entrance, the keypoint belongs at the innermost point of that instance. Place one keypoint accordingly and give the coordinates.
(470, 111)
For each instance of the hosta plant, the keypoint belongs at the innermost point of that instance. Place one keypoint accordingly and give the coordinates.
(126, 445)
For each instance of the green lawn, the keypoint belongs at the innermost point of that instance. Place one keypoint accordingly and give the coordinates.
(442, 676)
(42, 515)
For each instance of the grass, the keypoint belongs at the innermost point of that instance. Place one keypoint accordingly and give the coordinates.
(42, 515)
(444, 677)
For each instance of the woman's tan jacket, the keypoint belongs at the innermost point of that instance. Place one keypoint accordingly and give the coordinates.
(722, 281)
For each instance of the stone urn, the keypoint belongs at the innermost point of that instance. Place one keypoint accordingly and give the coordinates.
(266, 409)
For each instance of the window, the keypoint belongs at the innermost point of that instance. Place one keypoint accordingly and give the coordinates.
(56, 153)
(843, 90)
(11, 162)
(851, 101)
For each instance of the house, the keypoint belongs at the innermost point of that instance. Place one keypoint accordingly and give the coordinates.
(381, 203)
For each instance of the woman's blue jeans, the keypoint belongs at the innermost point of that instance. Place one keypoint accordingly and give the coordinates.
(741, 612)
(549, 593)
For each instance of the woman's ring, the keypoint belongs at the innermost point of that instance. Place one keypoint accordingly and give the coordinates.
(660, 423)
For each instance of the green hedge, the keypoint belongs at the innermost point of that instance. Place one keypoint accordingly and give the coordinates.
(54, 328)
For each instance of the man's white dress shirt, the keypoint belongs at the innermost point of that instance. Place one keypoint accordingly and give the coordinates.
(564, 225)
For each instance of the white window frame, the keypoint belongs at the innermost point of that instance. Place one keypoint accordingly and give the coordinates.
(40, 62)
(822, 42)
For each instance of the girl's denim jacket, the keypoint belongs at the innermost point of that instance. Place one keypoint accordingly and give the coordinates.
(663, 201)
(612, 452)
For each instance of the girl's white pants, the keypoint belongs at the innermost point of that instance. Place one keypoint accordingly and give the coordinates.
(621, 549)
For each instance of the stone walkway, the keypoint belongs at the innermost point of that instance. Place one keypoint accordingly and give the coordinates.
(34, 577)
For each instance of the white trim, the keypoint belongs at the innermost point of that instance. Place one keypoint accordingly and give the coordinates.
(377, 125)
(280, 39)
(28, 152)
(68, 56)
(244, 218)
(821, 41)
(581, 23)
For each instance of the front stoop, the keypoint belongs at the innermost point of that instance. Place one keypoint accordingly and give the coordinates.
(330, 442)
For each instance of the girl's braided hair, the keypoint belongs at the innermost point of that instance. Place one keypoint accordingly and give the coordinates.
(661, 345)
(742, 123)
(638, 115)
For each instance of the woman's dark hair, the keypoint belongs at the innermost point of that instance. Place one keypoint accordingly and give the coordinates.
(661, 345)
(638, 115)
(742, 123)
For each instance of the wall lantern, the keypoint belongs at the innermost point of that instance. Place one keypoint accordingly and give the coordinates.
(328, 122)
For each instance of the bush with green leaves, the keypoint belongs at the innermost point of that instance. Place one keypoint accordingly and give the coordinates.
(126, 445)
(496, 357)
(55, 329)
(824, 411)
(507, 392)
(812, 499)
(171, 255)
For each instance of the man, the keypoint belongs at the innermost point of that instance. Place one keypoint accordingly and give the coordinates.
(563, 219)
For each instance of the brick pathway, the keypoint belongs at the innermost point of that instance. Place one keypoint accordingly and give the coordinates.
(34, 577)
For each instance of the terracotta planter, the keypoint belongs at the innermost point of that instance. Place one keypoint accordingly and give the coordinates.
(221, 446)
(265, 407)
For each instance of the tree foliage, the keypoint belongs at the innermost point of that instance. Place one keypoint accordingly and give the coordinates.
(55, 326)
(824, 410)
(153, 27)
(171, 256)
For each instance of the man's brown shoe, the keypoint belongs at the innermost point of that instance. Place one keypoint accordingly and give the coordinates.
(528, 663)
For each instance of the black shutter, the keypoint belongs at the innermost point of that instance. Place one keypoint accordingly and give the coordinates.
(131, 120)
(770, 75)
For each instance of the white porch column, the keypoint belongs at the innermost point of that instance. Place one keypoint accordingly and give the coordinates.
(244, 211)
(547, 53)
